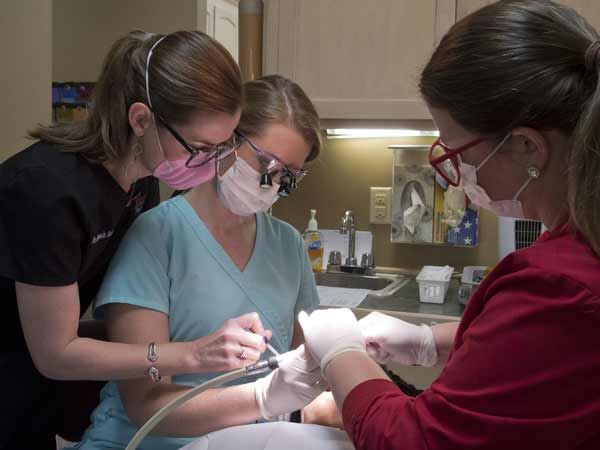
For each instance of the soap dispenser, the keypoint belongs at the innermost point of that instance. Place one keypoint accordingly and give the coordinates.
(314, 243)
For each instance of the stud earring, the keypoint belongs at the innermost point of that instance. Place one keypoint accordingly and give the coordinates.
(533, 172)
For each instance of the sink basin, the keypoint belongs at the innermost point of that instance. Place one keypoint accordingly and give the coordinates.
(347, 280)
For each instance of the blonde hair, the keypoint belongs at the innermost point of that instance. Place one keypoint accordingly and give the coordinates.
(275, 99)
(534, 64)
(190, 72)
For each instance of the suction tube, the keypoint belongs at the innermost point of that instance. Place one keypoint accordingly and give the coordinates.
(253, 369)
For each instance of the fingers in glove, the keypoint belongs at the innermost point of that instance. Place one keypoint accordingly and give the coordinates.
(377, 353)
(296, 360)
(303, 320)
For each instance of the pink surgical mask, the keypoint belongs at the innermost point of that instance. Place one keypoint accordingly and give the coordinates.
(175, 173)
(178, 176)
(479, 196)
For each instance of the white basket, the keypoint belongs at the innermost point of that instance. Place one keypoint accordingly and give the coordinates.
(433, 283)
(469, 282)
(473, 274)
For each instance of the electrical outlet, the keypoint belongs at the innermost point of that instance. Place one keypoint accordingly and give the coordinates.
(380, 212)
(380, 203)
(380, 199)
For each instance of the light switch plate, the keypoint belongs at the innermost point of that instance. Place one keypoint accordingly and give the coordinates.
(380, 205)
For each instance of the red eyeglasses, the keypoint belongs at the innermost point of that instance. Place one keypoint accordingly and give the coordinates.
(445, 160)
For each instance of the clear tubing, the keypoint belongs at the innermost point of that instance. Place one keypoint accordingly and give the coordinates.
(272, 349)
(165, 410)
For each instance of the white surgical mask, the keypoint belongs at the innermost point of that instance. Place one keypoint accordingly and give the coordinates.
(479, 196)
(239, 189)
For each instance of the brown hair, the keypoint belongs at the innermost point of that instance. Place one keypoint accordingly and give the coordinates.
(526, 63)
(275, 99)
(189, 72)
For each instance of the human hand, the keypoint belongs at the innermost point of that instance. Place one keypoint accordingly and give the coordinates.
(329, 332)
(390, 339)
(237, 343)
(323, 411)
(292, 386)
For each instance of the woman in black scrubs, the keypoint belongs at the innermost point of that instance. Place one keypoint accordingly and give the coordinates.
(65, 203)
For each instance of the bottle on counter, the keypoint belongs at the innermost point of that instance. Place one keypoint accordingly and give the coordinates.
(314, 243)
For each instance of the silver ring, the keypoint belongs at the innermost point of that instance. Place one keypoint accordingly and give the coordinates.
(243, 355)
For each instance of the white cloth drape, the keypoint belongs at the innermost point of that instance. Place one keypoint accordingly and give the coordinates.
(274, 436)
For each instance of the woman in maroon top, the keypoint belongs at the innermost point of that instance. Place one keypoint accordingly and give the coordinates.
(514, 91)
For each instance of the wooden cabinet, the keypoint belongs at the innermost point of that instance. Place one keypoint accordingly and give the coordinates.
(356, 59)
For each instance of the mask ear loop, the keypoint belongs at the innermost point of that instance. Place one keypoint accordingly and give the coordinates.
(533, 173)
(218, 164)
(498, 147)
(147, 78)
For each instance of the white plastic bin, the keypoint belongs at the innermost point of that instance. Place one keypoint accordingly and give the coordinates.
(470, 280)
(433, 283)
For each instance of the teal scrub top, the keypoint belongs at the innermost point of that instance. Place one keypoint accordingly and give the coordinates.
(170, 262)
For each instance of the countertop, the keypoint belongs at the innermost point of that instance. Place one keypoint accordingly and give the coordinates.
(406, 300)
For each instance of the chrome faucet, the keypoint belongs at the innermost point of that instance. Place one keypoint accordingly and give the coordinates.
(347, 226)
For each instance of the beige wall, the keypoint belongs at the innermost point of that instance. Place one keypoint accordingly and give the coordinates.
(25, 75)
(340, 180)
(85, 29)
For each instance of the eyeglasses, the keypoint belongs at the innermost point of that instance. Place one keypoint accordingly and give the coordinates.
(208, 151)
(445, 160)
(273, 169)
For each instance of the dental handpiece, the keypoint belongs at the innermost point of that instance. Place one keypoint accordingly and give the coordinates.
(266, 364)
(262, 366)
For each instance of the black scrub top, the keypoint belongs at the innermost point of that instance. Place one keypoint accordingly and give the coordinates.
(61, 220)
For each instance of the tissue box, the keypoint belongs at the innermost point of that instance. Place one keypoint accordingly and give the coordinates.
(421, 180)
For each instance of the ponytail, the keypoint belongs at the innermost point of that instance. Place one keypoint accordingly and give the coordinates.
(584, 161)
(190, 72)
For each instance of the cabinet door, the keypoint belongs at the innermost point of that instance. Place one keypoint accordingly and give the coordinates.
(222, 23)
(356, 59)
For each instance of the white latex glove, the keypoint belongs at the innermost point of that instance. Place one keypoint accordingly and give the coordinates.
(329, 332)
(292, 386)
(391, 339)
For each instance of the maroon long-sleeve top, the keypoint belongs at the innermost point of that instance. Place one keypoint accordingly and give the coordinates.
(524, 369)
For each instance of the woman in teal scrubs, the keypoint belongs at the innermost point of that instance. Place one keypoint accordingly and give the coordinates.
(212, 254)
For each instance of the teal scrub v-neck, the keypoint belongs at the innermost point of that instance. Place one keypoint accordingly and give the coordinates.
(170, 262)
